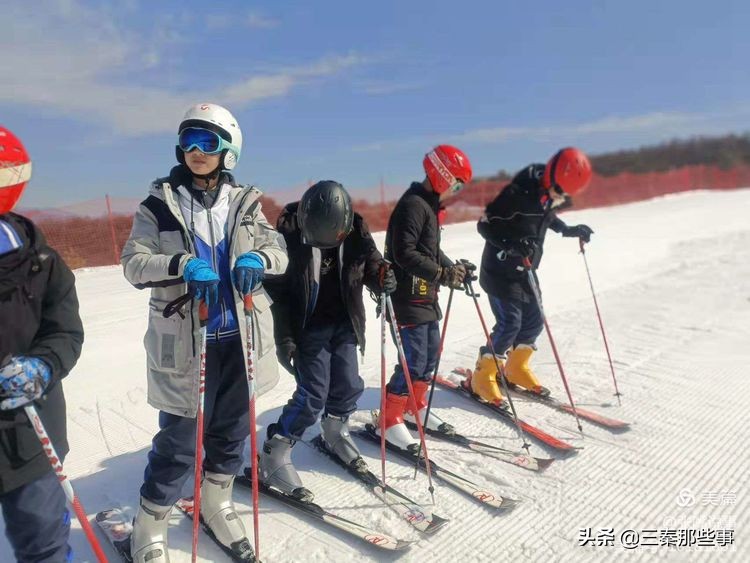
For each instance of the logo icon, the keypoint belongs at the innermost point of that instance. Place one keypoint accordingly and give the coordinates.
(685, 498)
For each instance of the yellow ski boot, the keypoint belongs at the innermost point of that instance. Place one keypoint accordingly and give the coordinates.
(519, 373)
(484, 379)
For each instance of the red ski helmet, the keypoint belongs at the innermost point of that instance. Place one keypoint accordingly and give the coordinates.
(568, 172)
(15, 170)
(447, 168)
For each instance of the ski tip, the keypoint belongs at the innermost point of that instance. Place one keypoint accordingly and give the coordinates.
(436, 523)
(508, 504)
(402, 545)
(544, 463)
(388, 543)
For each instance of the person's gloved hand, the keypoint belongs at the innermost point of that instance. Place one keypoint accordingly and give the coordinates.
(285, 351)
(202, 280)
(388, 281)
(525, 247)
(249, 270)
(582, 232)
(23, 380)
(470, 269)
(452, 276)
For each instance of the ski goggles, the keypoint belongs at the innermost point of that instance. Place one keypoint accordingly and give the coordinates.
(457, 187)
(208, 142)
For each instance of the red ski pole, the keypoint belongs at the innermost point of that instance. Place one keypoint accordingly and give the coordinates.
(407, 377)
(500, 371)
(538, 298)
(435, 373)
(70, 494)
(383, 307)
(249, 325)
(601, 323)
(203, 316)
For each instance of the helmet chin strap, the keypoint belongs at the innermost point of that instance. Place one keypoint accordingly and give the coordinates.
(211, 176)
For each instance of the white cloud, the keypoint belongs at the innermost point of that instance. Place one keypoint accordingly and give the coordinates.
(646, 128)
(257, 20)
(658, 122)
(69, 59)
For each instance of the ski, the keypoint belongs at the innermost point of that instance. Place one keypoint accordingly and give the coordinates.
(417, 516)
(242, 552)
(591, 416)
(519, 459)
(529, 429)
(117, 527)
(354, 529)
(454, 480)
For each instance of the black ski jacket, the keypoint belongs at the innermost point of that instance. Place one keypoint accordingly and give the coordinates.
(516, 213)
(359, 264)
(39, 317)
(412, 244)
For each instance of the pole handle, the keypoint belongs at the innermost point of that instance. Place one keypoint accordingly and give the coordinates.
(247, 301)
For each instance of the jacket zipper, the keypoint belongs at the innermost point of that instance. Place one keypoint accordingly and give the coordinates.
(215, 263)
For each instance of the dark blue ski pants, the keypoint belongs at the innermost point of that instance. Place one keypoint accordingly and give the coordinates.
(516, 322)
(327, 377)
(37, 523)
(226, 425)
(421, 346)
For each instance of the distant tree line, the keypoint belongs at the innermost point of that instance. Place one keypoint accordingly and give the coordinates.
(725, 152)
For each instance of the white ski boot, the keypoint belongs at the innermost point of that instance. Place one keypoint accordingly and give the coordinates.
(148, 542)
(276, 470)
(218, 512)
(338, 440)
(435, 423)
(396, 432)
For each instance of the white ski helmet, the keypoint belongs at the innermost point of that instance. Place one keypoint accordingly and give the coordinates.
(219, 120)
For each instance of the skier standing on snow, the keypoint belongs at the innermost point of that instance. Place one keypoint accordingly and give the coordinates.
(319, 321)
(412, 244)
(40, 341)
(514, 226)
(199, 227)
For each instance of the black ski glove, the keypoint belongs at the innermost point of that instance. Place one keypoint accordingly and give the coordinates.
(470, 270)
(285, 352)
(388, 282)
(452, 276)
(582, 232)
(525, 248)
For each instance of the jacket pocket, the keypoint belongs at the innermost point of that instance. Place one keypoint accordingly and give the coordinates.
(168, 343)
(263, 322)
(27, 442)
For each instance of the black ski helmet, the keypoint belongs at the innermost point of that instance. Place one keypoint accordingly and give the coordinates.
(325, 214)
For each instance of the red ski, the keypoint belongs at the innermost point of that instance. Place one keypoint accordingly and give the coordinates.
(591, 416)
(529, 429)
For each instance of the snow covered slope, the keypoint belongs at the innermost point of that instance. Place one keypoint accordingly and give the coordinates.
(672, 279)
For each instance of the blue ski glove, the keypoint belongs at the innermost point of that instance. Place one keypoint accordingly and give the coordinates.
(22, 381)
(202, 280)
(248, 272)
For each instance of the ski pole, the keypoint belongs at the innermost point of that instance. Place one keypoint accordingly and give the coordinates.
(538, 298)
(407, 377)
(249, 325)
(435, 373)
(500, 370)
(203, 317)
(54, 460)
(382, 387)
(601, 323)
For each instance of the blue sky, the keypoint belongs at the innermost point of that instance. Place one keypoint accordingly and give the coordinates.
(356, 91)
